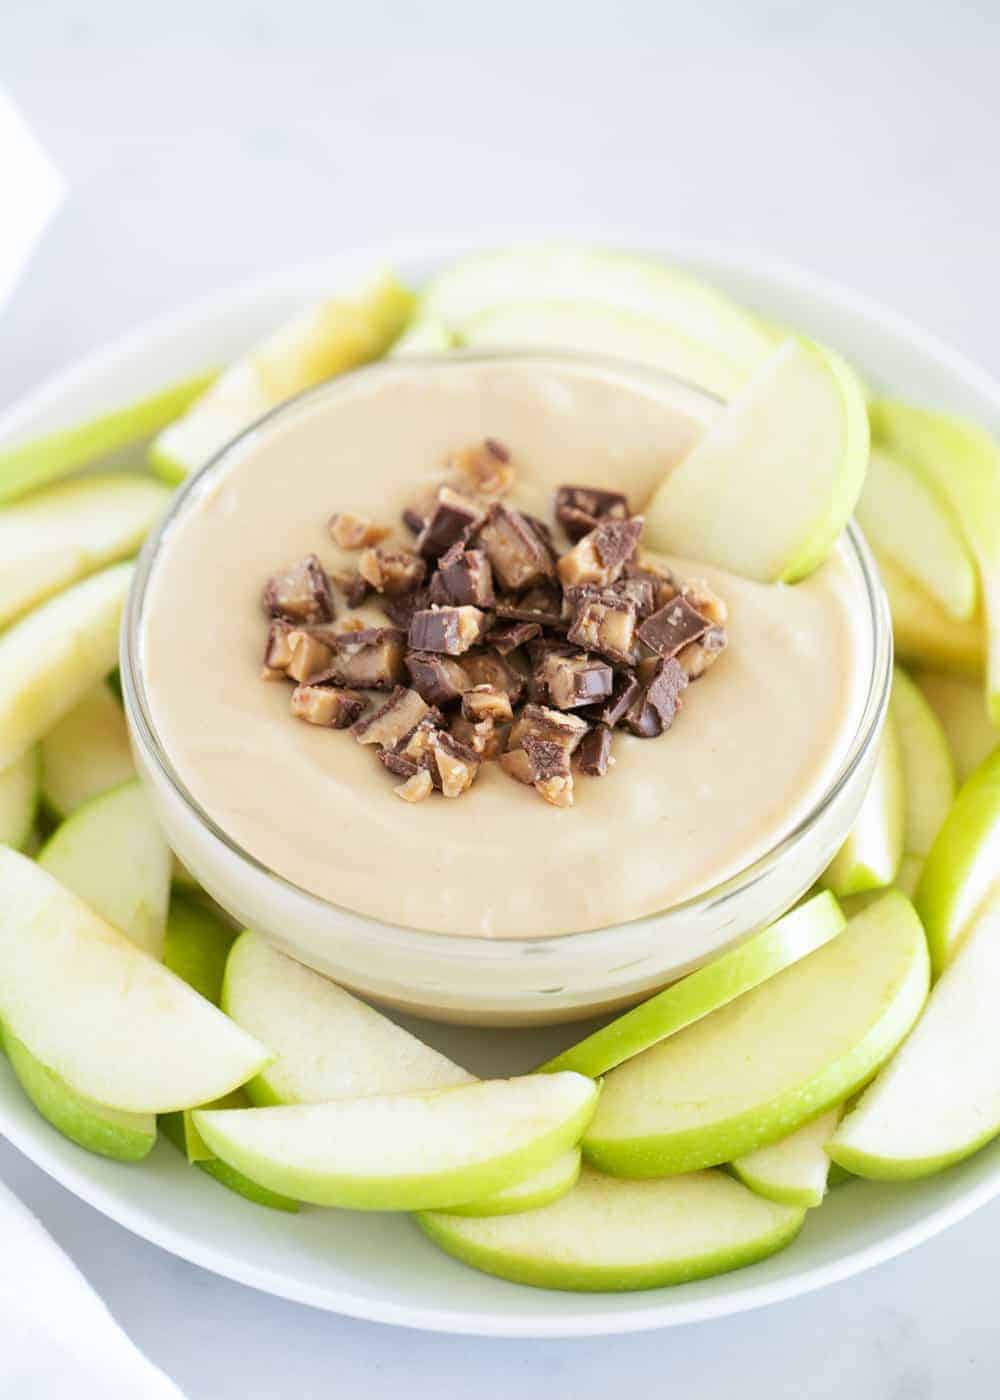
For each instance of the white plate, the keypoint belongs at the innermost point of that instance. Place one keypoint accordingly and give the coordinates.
(378, 1266)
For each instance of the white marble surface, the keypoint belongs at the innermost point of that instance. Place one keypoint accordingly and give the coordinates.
(205, 142)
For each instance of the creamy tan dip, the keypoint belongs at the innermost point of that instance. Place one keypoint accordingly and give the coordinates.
(757, 743)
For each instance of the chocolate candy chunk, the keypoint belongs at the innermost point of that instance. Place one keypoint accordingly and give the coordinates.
(545, 765)
(449, 630)
(670, 629)
(369, 659)
(278, 650)
(594, 753)
(464, 576)
(485, 737)
(640, 592)
(485, 469)
(413, 520)
(490, 668)
(454, 517)
(601, 556)
(300, 593)
(539, 722)
(396, 763)
(392, 571)
(400, 611)
(309, 656)
(663, 581)
(326, 705)
(506, 637)
(603, 621)
(580, 508)
(453, 765)
(487, 702)
(542, 604)
(698, 656)
(653, 712)
(351, 531)
(627, 689)
(572, 681)
(516, 550)
(393, 721)
(417, 745)
(439, 679)
(354, 588)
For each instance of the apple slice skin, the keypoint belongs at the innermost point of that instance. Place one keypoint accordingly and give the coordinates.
(892, 1006)
(196, 946)
(794, 1171)
(792, 937)
(343, 1119)
(174, 1127)
(87, 753)
(541, 1189)
(20, 788)
(609, 1236)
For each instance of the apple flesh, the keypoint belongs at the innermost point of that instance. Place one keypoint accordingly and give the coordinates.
(928, 775)
(609, 1236)
(87, 753)
(795, 1169)
(938, 1100)
(961, 709)
(788, 458)
(779, 1056)
(923, 632)
(406, 1151)
(54, 656)
(540, 1189)
(196, 946)
(870, 856)
(795, 936)
(177, 1127)
(19, 790)
(423, 338)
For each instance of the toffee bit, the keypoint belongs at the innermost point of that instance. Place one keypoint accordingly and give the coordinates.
(518, 553)
(572, 681)
(601, 556)
(370, 659)
(300, 593)
(278, 650)
(487, 702)
(579, 508)
(326, 705)
(640, 592)
(545, 765)
(603, 621)
(490, 668)
(653, 712)
(542, 603)
(506, 637)
(393, 720)
(453, 518)
(709, 604)
(453, 764)
(672, 627)
(449, 630)
(484, 470)
(662, 580)
(464, 576)
(416, 787)
(555, 726)
(439, 679)
(392, 571)
(309, 656)
(350, 531)
(698, 656)
(354, 588)
(483, 736)
(594, 754)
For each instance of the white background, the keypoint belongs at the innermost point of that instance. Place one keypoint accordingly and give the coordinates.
(207, 141)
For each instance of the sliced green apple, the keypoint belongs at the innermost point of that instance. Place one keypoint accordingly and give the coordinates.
(795, 1169)
(905, 517)
(87, 753)
(406, 1151)
(963, 464)
(196, 946)
(320, 342)
(327, 1044)
(423, 338)
(540, 1189)
(111, 853)
(961, 709)
(604, 330)
(615, 1236)
(963, 864)
(19, 790)
(27, 466)
(928, 775)
(719, 982)
(54, 538)
(103, 1015)
(176, 1127)
(938, 1099)
(787, 457)
(869, 858)
(776, 1058)
(54, 656)
(924, 633)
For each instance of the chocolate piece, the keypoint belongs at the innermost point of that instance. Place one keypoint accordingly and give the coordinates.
(326, 705)
(453, 765)
(300, 593)
(601, 556)
(539, 722)
(490, 668)
(542, 604)
(640, 592)
(417, 744)
(506, 637)
(653, 712)
(393, 720)
(417, 787)
(698, 656)
(464, 576)
(453, 518)
(603, 621)
(449, 630)
(552, 776)
(369, 659)
(579, 508)
(484, 736)
(627, 689)
(699, 595)
(439, 679)
(485, 469)
(278, 651)
(594, 753)
(400, 610)
(572, 681)
(392, 571)
(351, 531)
(309, 656)
(515, 549)
(397, 763)
(413, 520)
(487, 702)
(670, 629)
(354, 588)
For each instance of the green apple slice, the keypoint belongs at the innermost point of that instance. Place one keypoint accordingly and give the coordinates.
(27, 466)
(87, 753)
(603, 330)
(719, 982)
(928, 775)
(869, 858)
(963, 464)
(963, 864)
(196, 946)
(905, 517)
(424, 338)
(103, 1015)
(177, 1127)
(938, 1100)
(327, 1044)
(320, 342)
(538, 1190)
(795, 1169)
(961, 709)
(616, 1236)
(675, 299)
(406, 1151)
(51, 658)
(776, 1058)
(19, 791)
(787, 457)
(112, 855)
(923, 632)
(61, 535)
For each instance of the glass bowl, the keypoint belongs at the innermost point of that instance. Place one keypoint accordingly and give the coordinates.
(478, 980)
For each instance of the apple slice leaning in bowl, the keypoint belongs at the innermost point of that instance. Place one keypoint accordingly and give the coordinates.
(923, 632)
(776, 1058)
(870, 856)
(19, 792)
(86, 753)
(796, 1169)
(928, 776)
(961, 709)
